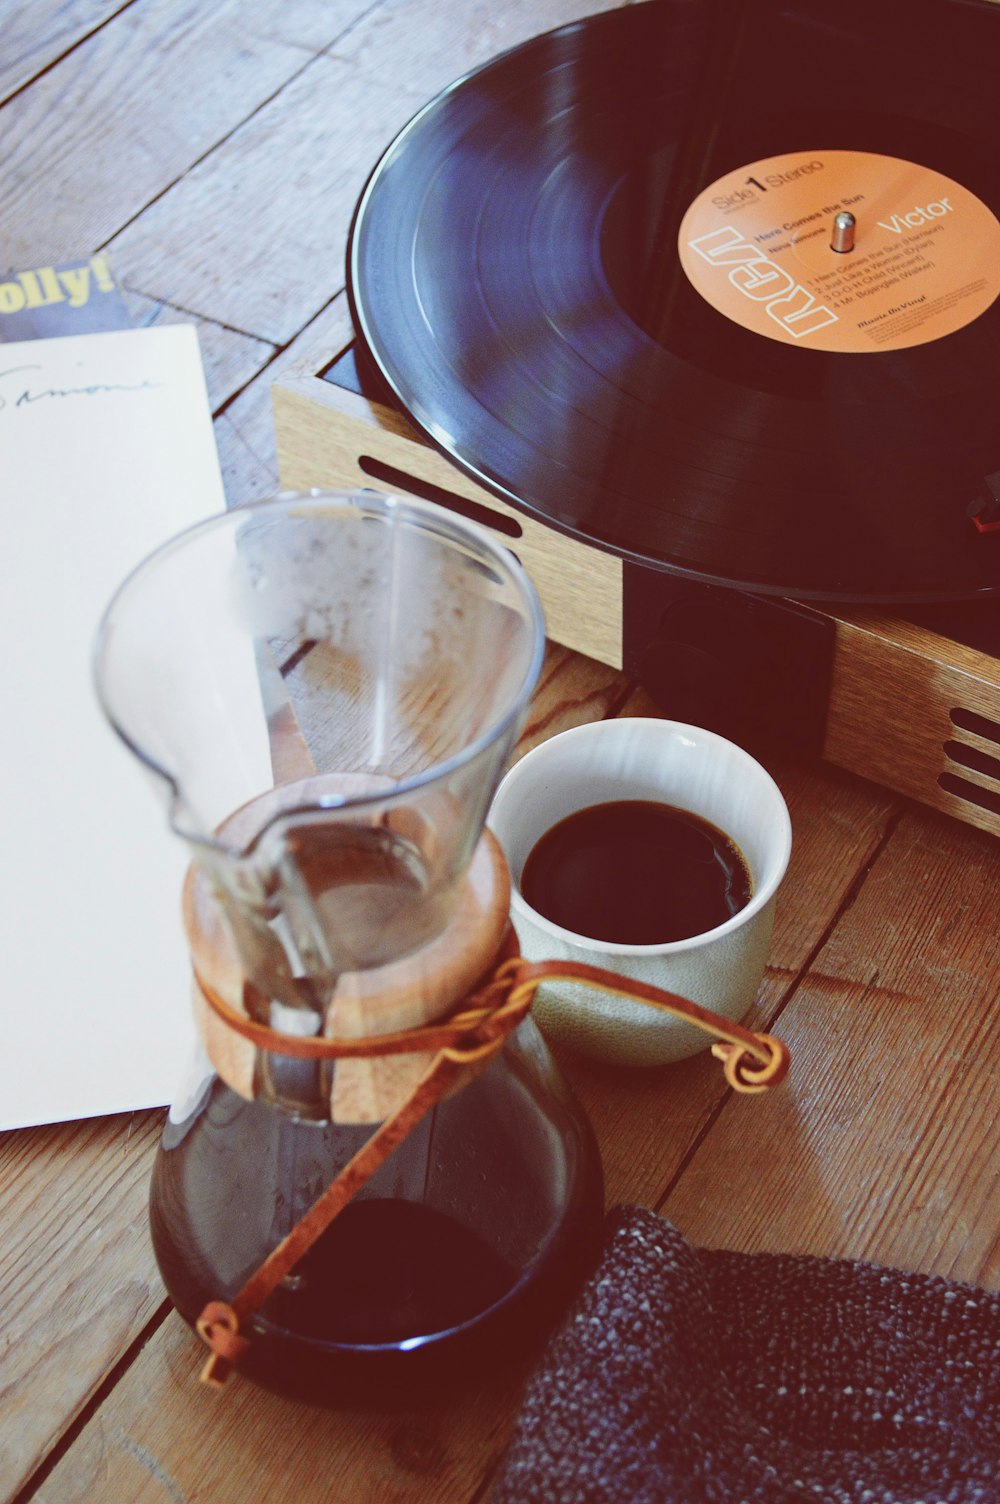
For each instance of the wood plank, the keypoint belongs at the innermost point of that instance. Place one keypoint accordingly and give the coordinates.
(572, 691)
(244, 434)
(241, 236)
(115, 122)
(246, 456)
(77, 1276)
(163, 1438)
(37, 32)
(890, 673)
(231, 360)
(329, 436)
(883, 1145)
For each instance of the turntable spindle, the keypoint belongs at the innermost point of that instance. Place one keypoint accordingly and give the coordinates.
(843, 232)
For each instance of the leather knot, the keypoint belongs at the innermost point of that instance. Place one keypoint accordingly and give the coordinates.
(746, 1072)
(218, 1327)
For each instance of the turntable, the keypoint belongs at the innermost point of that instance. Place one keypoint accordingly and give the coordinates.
(696, 306)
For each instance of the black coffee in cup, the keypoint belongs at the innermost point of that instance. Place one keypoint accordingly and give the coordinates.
(636, 872)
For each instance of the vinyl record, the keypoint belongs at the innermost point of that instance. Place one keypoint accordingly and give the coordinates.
(515, 273)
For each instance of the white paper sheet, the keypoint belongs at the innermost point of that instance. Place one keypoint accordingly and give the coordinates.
(106, 450)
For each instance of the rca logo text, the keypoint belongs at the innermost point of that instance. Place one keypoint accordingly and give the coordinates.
(759, 278)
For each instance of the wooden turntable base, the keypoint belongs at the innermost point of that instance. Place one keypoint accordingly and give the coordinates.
(902, 703)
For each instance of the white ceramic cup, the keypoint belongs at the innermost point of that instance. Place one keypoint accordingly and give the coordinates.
(693, 770)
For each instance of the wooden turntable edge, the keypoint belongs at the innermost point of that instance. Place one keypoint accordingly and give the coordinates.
(908, 708)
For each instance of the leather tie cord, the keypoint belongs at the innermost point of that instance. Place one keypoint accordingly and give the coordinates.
(468, 1038)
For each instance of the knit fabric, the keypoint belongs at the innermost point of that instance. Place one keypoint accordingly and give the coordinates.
(690, 1376)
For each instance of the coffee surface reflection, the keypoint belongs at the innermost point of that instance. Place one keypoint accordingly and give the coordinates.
(636, 872)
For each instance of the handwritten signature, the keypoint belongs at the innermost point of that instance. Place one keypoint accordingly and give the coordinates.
(27, 396)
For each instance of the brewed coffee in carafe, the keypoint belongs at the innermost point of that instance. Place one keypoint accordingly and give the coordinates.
(327, 688)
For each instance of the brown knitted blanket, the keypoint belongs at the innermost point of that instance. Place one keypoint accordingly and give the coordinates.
(689, 1376)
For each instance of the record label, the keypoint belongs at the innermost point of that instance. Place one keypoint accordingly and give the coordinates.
(757, 244)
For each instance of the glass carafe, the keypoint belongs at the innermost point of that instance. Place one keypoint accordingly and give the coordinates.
(327, 689)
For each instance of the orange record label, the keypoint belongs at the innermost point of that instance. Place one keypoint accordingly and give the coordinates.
(757, 245)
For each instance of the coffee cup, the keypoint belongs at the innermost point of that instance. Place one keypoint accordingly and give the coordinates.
(685, 768)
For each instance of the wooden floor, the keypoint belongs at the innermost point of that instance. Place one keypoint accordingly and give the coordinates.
(215, 151)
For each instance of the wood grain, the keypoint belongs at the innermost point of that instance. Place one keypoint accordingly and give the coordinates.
(884, 1144)
(267, 207)
(890, 674)
(580, 587)
(254, 235)
(571, 691)
(77, 1275)
(168, 1441)
(38, 32)
(231, 360)
(244, 433)
(122, 116)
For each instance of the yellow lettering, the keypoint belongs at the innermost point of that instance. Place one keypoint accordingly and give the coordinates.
(76, 280)
(102, 273)
(32, 292)
(11, 297)
(50, 285)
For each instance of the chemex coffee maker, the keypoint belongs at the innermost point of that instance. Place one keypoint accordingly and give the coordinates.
(377, 1176)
